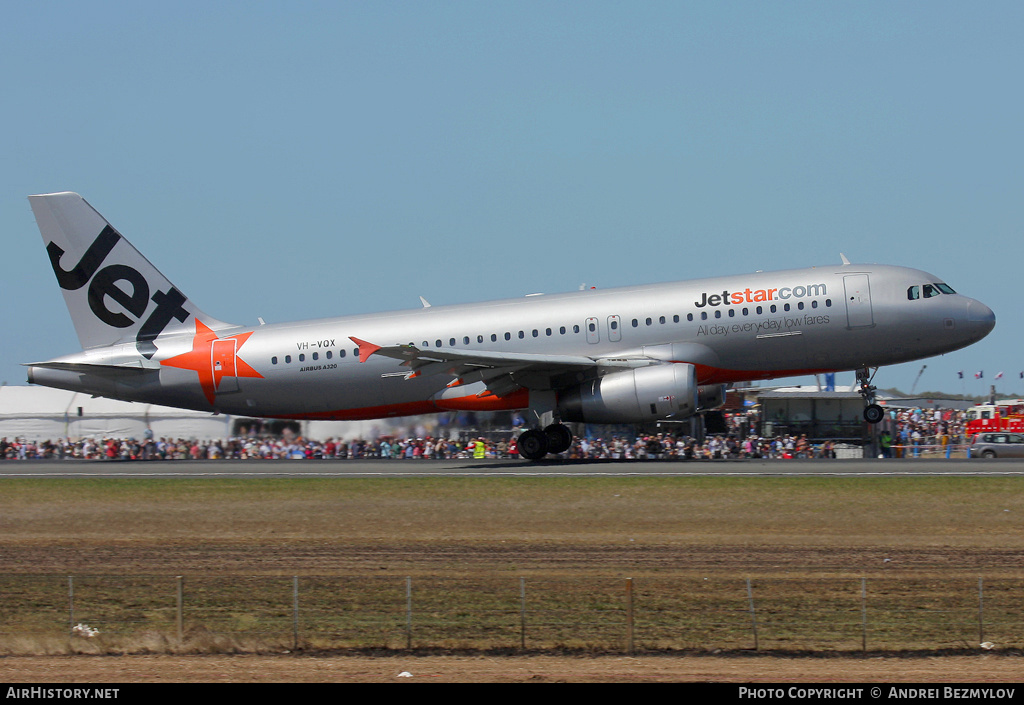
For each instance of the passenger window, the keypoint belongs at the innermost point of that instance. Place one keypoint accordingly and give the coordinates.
(273, 360)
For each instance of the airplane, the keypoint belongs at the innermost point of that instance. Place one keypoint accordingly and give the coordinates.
(627, 355)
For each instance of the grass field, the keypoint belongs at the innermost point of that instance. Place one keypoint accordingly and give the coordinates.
(834, 563)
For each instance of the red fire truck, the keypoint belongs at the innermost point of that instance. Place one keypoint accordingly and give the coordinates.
(1004, 415)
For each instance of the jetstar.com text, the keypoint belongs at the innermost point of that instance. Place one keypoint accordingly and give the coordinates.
(750, 296)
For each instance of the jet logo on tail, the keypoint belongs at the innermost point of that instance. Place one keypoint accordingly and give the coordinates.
(106, 283)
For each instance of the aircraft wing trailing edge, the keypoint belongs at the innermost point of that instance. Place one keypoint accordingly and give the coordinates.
(502, 372)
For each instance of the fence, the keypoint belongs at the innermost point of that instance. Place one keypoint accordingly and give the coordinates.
(133, 613)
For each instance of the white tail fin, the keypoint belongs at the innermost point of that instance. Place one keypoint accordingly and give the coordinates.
(113, 293)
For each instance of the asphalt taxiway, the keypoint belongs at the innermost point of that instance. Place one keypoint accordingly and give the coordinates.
(510, 468)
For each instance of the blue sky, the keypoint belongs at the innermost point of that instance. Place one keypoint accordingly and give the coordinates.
(311, 159)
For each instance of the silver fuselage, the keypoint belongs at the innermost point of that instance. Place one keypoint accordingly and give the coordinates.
(755, 326)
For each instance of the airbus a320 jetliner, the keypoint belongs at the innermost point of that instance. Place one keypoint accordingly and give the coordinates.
(625, 355)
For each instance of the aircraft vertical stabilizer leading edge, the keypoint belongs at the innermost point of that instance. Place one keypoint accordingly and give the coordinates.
(628, 355)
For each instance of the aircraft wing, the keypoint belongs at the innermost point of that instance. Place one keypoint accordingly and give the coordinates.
(502, 372)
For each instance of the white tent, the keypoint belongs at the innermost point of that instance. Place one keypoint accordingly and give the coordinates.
(41, 413)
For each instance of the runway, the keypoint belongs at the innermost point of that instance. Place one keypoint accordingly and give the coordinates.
(508, 468)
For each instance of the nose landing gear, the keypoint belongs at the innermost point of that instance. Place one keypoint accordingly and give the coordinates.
(873, 413)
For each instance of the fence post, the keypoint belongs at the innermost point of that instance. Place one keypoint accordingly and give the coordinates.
(408, 612)
(629, 616)
(864, 614)
(295, 612)
(71, 605)
(981, 612)
(180, 617)
(753, 612)
(522, 614)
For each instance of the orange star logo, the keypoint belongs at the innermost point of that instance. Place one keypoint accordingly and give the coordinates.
(213, 359)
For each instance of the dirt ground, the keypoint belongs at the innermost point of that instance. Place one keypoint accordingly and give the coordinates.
(543, 558)
(446, 529)
(508, 669)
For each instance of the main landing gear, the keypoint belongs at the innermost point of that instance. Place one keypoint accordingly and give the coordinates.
(535, 443)
(873, 413)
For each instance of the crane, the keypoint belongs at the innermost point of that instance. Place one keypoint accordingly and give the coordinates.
(917, 379)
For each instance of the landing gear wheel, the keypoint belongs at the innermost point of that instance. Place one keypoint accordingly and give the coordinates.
(873, 413)
(559, 438)
(533, 445)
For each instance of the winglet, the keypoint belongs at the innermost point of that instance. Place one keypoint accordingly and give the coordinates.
(365, 349)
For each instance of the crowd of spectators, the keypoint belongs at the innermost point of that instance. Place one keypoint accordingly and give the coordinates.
(909, 432)
(267, 448)
(905, 432)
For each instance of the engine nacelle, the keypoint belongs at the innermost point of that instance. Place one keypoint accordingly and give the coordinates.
(710, 396)
(633, 396)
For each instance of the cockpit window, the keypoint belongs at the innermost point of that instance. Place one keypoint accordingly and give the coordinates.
(914, 293)
(944, 288)
(930, 291)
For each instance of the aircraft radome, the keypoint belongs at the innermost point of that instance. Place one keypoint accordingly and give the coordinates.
(627, 355)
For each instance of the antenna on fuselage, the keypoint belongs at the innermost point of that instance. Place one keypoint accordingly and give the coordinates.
(843, 257)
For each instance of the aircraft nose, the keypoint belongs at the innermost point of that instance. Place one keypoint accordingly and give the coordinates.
(980, 318)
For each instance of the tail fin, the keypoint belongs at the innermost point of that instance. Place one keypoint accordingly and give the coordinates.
(113, 293)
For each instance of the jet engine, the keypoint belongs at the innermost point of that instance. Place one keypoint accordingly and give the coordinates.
(633, 396)
(710, 396)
